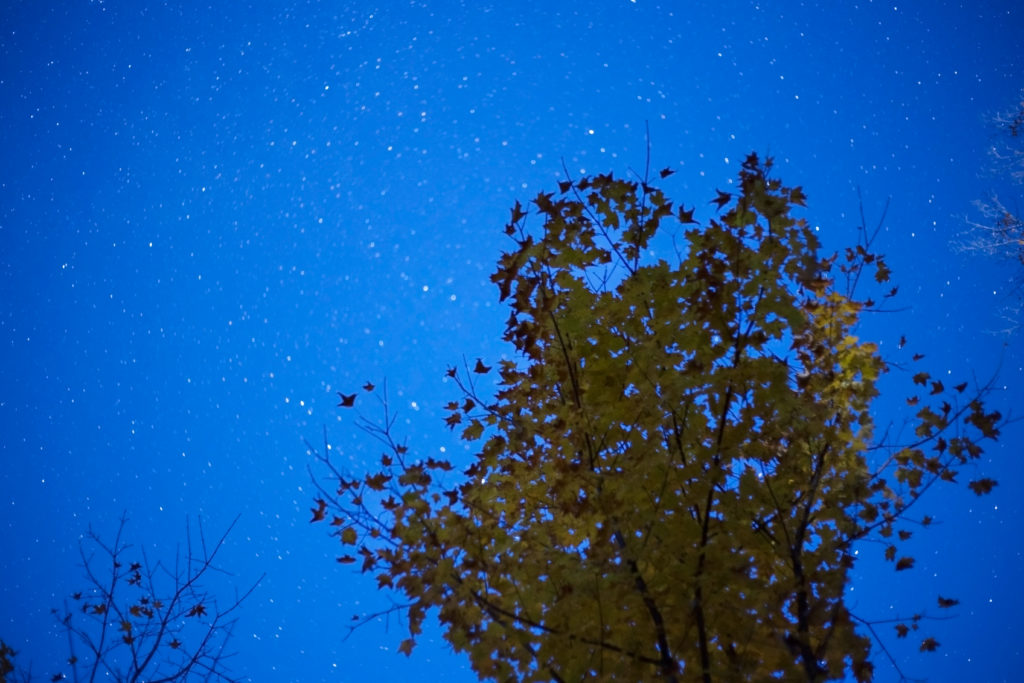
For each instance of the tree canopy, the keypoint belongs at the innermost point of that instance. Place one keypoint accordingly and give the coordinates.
(671, 476)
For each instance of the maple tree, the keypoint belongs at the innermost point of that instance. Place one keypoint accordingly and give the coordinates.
(139, 621)
(673, 472)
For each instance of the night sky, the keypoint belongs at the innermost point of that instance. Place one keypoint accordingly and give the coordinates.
(212, 218)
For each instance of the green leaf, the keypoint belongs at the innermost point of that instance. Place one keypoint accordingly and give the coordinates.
(473, 431)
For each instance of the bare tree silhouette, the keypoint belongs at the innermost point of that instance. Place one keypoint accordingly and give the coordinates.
(143, 621)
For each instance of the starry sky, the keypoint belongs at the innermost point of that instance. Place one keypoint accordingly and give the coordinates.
(214, 217)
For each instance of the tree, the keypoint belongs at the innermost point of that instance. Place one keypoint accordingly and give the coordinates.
(138, 621)
(999, 230)
(672, 475)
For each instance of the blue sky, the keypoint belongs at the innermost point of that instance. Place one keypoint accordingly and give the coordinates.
(213, 218)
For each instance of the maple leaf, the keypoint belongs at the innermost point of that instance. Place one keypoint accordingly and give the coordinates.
(347, 400)
(480, 368)
(320, 511)
(473, 431)
(665, 172)
(722, 199)
(197, 611)
(378, 481)
(517, 213)
(368, 387)
(175, 644)
(904, 563)
(946, 603)
(982, 486)
(797, 196)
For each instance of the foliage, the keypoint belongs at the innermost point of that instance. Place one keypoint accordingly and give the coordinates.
(7, 654)
(138, 621)
(671, 478)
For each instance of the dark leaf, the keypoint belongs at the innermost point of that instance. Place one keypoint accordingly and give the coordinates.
(982, 486)
(722, 199)
(320, 511)
(686, 216)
